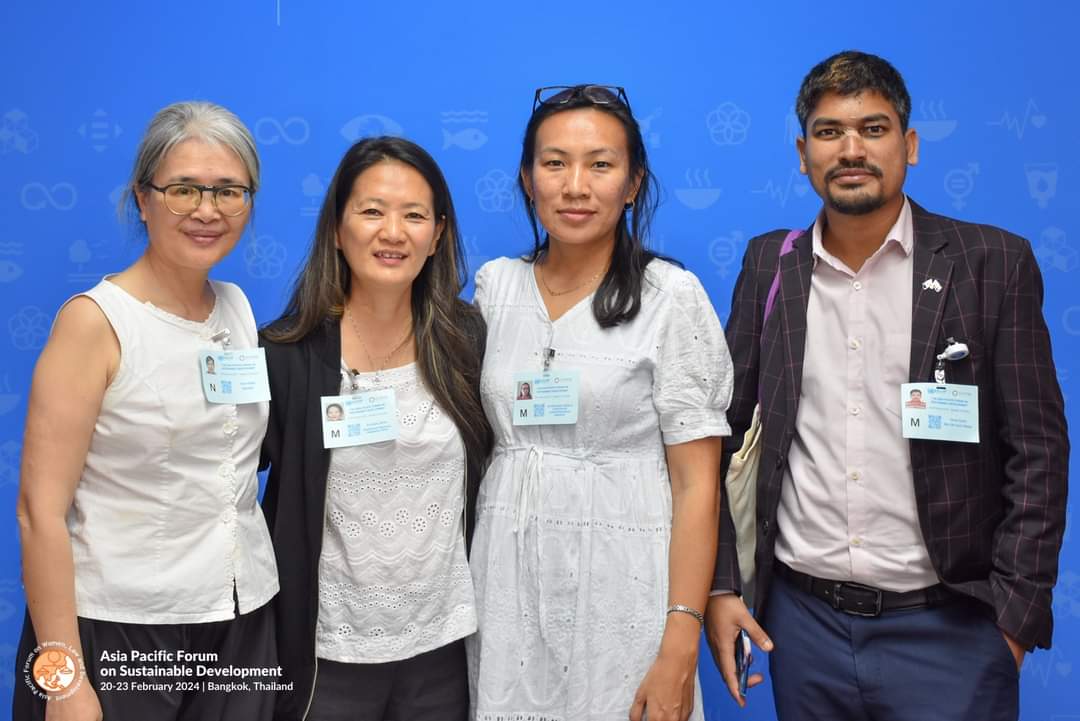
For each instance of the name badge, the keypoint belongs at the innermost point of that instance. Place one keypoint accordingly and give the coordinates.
(359, 419)
(948, 412)
(234, 376)
(549, 398)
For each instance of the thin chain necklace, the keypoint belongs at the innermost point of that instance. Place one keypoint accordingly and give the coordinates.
(579, 286)
(385, 361)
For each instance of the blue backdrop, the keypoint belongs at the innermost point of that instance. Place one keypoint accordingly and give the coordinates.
(995, 100)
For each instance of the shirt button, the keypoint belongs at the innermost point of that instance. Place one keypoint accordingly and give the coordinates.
(856, 541)
(854, 475)
(854, 410)
(230, 427)
(857, 285)
(854, 344)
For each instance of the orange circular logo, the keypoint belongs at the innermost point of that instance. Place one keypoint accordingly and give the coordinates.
(54, 670)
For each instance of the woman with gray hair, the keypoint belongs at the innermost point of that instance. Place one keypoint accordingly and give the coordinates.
(146, 559)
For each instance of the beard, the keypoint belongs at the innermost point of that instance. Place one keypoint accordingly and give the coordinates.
(855, 202)
(862, 203)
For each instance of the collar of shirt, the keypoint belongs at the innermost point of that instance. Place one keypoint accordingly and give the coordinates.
(901, 235)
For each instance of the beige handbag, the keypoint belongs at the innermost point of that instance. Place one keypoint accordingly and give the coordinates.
(741, 478)
(741, 484)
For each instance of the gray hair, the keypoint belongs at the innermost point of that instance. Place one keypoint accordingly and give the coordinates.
(193, 119)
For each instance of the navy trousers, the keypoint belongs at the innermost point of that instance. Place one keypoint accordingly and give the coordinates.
(947, 663)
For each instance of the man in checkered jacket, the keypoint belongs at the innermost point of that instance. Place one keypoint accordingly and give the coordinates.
(896, 577)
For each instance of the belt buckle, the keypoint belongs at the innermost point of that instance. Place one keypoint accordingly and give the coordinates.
(857, 607)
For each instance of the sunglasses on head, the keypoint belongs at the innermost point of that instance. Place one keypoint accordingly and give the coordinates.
(596, 94)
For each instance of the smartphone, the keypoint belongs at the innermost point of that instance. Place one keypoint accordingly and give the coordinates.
(743, 659)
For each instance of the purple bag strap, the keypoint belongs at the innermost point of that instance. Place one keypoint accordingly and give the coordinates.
(786, 247)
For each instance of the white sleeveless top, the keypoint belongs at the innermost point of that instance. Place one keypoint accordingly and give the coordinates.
(165, 518)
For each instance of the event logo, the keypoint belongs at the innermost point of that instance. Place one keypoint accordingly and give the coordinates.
(1042, 182)
(781, 192)
(495, 191)
(935, 124)
(29, 328)
(724, 251)
(54, 671)
(264, 257)
(960, 183)
(370, 125)
(1019, 124)
(9, 269)
(100, 131)
(1054, 251)
(460, 129)
(699, 192)
(16, 134)
(728, 124)
(313, 189)
(294, 130)
(38, 196)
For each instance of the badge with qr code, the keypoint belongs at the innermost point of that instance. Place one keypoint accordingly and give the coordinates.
(234, 376)
(546, 398)
(932, 412)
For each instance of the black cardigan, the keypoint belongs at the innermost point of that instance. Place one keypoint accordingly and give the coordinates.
(295, 496)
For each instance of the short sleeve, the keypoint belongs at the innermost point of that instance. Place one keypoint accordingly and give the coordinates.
(482, 283)
(693, 377)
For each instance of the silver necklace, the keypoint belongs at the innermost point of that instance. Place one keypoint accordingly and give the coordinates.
(378, 368)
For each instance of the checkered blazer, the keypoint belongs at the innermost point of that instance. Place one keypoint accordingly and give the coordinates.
(993, 513)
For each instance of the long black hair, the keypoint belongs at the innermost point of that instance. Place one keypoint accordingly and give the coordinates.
(618, 299)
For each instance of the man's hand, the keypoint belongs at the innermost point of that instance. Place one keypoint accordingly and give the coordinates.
(724, 616)
(1018, 651)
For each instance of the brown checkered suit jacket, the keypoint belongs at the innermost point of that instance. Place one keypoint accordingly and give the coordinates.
(992, 514)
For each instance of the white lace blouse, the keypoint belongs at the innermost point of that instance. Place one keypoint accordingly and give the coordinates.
(393, 577)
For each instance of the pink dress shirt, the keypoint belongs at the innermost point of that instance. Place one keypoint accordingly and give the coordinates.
(847, 507)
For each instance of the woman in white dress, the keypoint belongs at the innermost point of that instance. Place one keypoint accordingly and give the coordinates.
(595, 537)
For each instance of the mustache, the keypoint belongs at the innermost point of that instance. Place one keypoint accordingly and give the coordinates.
(867, 167)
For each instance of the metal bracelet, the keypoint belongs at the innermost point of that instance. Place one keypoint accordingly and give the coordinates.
(679, 608)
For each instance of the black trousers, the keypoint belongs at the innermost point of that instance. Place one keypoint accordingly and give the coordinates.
(433, 686)
(246, 641)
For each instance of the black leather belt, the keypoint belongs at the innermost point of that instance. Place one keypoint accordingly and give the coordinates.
(859, 600)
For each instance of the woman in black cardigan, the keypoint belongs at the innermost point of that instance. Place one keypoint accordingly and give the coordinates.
(375, 444)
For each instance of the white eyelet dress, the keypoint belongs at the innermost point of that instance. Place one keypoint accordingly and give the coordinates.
(570, 556)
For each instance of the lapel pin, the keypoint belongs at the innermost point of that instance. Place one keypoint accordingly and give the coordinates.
(932, 284)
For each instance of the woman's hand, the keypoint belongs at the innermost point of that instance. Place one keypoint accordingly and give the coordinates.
(83, 705)
(667, 691)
